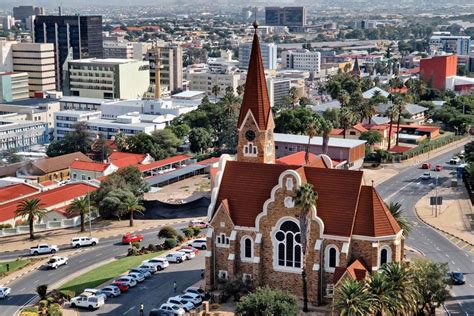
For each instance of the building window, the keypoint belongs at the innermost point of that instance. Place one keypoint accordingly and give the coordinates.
(222, 240)
(223, 275)
(352, 133)
(385, 255)
(246, 248)
(250, 150)
(287, 248)
(331, 258)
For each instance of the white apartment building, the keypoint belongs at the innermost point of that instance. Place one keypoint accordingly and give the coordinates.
(124, 49)
(301, 59)
(173, 107)
(65, 120)
(107, 78)
(38, 61)
(13, 86)
(21, 135)
(445, 42)
(269, 55)
(80, 103)
(35, 110)
(204, 81)
(6, 55)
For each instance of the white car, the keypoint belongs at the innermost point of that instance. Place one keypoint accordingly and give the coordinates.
(455, 161)
(187, 306)
(90, 302)
(145, 272)
(42, 249)
(55, 262)
(160, 263)
(137, 276)
(426, 176)
(4, 291)
(198, 244)
(176, 257)
(152, 268)
(196, 299)
(77, 242)
(96, 292)
(195, 290)
(128, 279)
(189, 253)
(173, 308)
(111, 291)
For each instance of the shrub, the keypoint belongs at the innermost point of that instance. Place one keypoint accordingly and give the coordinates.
(215, 306)
(51, 300)
(152, 248)
(132, 252)
(188, 232)
(136, 244)
(267, 301)
(67, 294)
(196, 231)
(43, 304)
(170, 243)
(180, 239)
(2, 226)
(54, 310)
(42, 290)
(167, 232)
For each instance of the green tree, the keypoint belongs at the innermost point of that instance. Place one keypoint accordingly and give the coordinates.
(371, 137)
(31, 209)
(114, 201)
(347, 119)
(240, 90)
(266, 301)
(200, 139)
(296, 120)
(402, 279)
(311, 132)
(392, 111)
(216, 89)
(353, 299)
(400, 104)
(167, 141)
(74, 141)
(100, 149)
(385, 300)
(325, 128)
(397, 212)
(168, 232)
(42, 290)
(132, 205)
(80, 206)
(366, 110)
(180, 130)
(305, 198)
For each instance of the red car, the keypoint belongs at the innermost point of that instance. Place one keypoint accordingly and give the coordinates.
(196, 251)
(426, 165)
(128, 238)
(122, 287)
(438, 168)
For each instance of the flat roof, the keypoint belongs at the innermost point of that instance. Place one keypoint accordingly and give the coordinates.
(188, 94)
(174, 174)
(83, 100)
(75, 112)
(32, 101)
(318, 141)
(112, 61)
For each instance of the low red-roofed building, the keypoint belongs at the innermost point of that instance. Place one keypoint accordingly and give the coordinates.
(89, 170)
(122, 160)
(16, 192)
(400, 149)
(164, 165)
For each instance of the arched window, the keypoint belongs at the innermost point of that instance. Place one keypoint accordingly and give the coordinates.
(385, 255)
(246, 248)
(288, 245)
(331, 258)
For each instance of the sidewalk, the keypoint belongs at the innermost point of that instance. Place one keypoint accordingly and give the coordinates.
(453, 219)
(101, 229)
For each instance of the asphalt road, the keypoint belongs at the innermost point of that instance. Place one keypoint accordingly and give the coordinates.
(24, 289)
(407, 188)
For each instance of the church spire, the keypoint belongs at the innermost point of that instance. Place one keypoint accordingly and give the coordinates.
(356, 69)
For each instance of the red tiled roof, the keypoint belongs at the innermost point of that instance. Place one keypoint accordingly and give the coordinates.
(429, 129)
(399, 149)
(163, 162)
(373, 218)
(63, 211)
(121, 159)
(48, 183)
(359, 127)
(297, 159)
(209, 161)
(16, 191)
(89, 166)
(49, 198)
(256, 95)
(336, 131)
(356, 270)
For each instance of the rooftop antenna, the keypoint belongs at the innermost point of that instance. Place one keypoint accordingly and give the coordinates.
(255, 22)
(59, 9)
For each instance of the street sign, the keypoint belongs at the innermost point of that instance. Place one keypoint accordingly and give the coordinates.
(436, 200)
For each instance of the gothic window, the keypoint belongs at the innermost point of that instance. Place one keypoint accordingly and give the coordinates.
(331, 258)
(250, 149)
(246, 248)
(385, 255)
(288, 245)
(222, 240)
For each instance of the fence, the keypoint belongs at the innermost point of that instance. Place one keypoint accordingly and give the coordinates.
(430, 145)
(45, 226)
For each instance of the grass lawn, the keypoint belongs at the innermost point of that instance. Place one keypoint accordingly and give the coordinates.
(105, 273)
(14, 265)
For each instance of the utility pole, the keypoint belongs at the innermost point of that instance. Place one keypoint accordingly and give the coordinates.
(436, 196)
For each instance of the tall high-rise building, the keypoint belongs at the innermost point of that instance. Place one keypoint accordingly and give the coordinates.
(13, 86)
(301, 59)
(269, 55)
(75, 37)
(171, 59)
(285, 16)
(445, 42)
(38, 61)
(23, 12)
(6, 55)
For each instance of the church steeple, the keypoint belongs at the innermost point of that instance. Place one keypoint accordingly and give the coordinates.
(356, 69)
(255, 121)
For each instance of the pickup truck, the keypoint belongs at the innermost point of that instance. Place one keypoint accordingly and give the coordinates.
(55, 262)
(77, 242)
(42, 249)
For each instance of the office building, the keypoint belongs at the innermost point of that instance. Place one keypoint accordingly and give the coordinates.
(301, 59)
(35, 109)
(24, 12)
(7, 22)
(445, 42)
(279, 88)
(436, 69)
(6, 55)
(269, 55)
(80, 104)
(13, 86)
(74, 37)
(124, 49)
(171, 60)
(107, 78)
(293, 17)
(21, 135)
(205, 81)
(38, 61)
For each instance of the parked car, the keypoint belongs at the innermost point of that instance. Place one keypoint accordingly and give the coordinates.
(77, 242)
(426, 165)
(96, 292)
(137, 276)
(129, 281)
(176, 257)
(4, 291)
(161, 312)
(426, 176)
(176, 309)
(160, 263)
(455, 160)
(128, 238)
(55, 262)
(196, 251)
(112, 291)
(148, 267)
(188, 253)
(90, 302)
(196, 290)
(123, 286)
(458, 278)
(42, 249)
(196, 299)
(177, 300)
(438, 168)
(198, 244)
(198, 223)
(146, 273)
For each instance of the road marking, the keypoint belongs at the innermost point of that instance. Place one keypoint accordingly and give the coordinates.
(471, 285)
(466, 245)
(453, 262)
(129, 310)
(10, 297)
(36, 281)
(447, 255)
(22, 289)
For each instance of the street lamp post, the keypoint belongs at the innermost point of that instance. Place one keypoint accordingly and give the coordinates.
(436, 196)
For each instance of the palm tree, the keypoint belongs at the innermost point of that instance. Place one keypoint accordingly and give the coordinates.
(32, 209)
(132, 205)
(396, 210)
(344, 98)
(353, 299)
(215, 90)
(400, 104)
(80, 206)
(240, 89)
(326, 128)
(381, 289)
(305, 198)
(311, 131)
(404, 289)
(346, 119)
(366, 111)
(391, 113)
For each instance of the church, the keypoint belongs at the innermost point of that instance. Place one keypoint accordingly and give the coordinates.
(254, 229)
